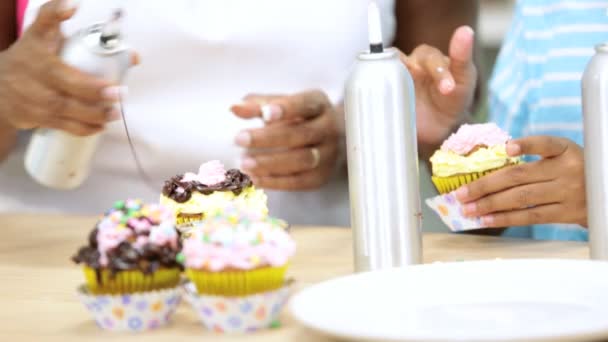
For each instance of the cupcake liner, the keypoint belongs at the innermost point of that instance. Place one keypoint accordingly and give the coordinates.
(448, 184)
(131, 312)
(187, 220)
(450, 211)
(131, 281)
(238, 314)
(238, 283)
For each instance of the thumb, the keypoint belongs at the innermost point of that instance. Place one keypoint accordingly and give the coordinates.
(52, 14)
(461, 51)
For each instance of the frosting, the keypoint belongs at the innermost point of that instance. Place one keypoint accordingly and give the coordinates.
(470, 137)
(132, 235)
(234, 238)
(448, 163)
(250, 198)
(210, 173)
(181, 188)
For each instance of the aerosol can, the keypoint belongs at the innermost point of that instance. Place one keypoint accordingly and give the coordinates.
(61, 160)
(382, 157)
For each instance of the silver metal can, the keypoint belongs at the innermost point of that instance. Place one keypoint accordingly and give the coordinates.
(383, 162)
(595, 117)
(61, 160)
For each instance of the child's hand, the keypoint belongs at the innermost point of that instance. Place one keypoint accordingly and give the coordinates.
(445, 86)
(551, 190)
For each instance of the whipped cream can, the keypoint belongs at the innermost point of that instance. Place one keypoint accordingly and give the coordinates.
(382, 158)
(61, 160)
(595, 117)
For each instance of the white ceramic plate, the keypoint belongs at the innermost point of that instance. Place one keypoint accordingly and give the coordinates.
(515, 300)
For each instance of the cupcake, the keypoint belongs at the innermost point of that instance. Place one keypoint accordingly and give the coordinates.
(132, 249)
(235, 252)
(473, 151)
(192, 196)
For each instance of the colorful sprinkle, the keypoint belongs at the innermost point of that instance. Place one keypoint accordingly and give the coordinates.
(275, 324)
(181, 258)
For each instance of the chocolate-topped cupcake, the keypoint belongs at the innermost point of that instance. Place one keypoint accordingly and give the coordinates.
(190, 196)
(133, 248)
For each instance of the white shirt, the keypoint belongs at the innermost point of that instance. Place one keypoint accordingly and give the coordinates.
(198, 58)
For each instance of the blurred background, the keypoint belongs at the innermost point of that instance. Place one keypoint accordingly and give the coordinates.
(495, 17)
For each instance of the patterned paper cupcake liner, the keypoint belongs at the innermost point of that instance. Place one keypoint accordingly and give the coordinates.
(450, 212)
(131, 312)
(238, 314)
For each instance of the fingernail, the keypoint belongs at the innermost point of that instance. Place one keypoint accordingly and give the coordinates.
(462, 193)
(440, 70)
(469, 209)
(113, 115)
(114, 93)
(271, 112)
(68, 5)
(248, 163)
(243, 139)
(446, 85)
(487, 220)
(469, 30)
(513, 149)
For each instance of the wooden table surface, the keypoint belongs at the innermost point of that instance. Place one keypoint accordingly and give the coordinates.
(38, 300)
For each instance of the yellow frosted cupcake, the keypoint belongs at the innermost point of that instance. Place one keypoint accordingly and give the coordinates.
(191, 196)
(235, 252)
(473, 151)
(132, 249)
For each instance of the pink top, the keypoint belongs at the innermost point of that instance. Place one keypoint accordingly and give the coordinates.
(470, 136)
(21, 6)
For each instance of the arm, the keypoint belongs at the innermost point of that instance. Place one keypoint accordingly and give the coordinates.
(8, 34)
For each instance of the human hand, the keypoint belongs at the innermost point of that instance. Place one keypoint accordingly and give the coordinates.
(445, 86)
(38, 90)
(550, 190)
(298, 145)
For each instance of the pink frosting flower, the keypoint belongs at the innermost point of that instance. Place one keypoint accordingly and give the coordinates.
(209, 173)
(470, 136)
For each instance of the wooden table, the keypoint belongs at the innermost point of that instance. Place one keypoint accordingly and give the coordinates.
(37, 280)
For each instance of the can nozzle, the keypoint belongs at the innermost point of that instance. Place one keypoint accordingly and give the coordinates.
(374, 28)
(110, 33)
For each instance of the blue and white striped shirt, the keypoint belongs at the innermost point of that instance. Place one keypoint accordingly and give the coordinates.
(535, 86)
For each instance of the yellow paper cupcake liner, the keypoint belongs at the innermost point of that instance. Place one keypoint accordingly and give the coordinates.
(188, 219)
(237, 283)
(131, 281)
(448, 184)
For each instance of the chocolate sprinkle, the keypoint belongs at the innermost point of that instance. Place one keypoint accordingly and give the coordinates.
(181, 192)
(125, 257)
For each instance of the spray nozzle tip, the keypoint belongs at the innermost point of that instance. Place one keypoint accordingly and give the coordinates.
(374, 27)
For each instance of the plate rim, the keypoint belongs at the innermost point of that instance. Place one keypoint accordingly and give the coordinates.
(603, 333)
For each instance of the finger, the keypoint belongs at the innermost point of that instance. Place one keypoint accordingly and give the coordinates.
(135, 59)
(81, 85)
(306, 105)
(288, 162)
(436, 66)
(308, 133)
(247, 110)
(74, 127)
(537, 215)
(51, 15)
(520, 197)
(505, 178)
(461, 51)
(308, 180)
(84, 113)
(544, 146)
